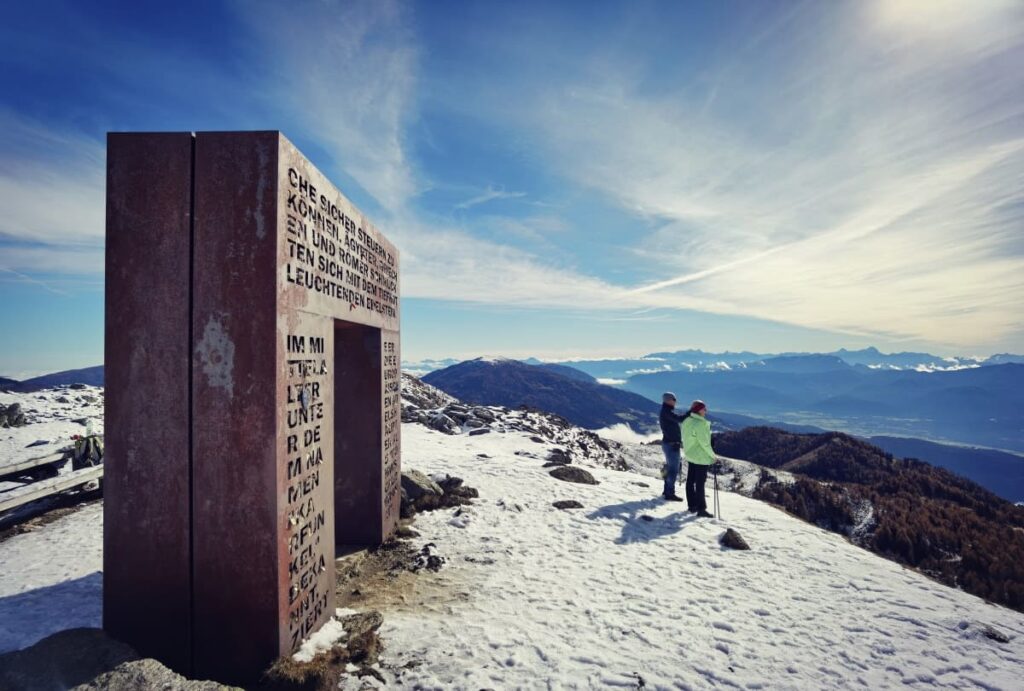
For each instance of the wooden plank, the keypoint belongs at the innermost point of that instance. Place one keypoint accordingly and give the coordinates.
(46, 488)
(29, 463)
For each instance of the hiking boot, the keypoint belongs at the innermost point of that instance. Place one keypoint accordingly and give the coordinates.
(672, 497)
(704, 514)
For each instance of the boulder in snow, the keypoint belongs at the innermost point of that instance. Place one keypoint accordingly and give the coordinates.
(416, 484)
(485, 414)
(12, 416)
(733, 540)
(557, 456)
(568, 473)
(443, 423)
(567, 504)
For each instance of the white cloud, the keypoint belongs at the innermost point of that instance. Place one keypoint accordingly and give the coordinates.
(837, 178)
(52, 188)
(52, 183)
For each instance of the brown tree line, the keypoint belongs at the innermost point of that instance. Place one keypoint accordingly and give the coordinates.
(925, 517)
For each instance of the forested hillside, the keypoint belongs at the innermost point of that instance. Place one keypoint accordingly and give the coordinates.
(920, 515)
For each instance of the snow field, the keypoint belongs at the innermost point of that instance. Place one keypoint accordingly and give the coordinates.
(599, 597)
(52, 579)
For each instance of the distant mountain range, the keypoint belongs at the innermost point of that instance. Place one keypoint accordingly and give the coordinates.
(93, 376)
(690, 360)
(978, 405)
(574, 395)
(964, 400)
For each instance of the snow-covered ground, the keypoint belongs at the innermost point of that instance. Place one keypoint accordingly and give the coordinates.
(600, 597)
(535, 597)
(52, 579)
(53, 416)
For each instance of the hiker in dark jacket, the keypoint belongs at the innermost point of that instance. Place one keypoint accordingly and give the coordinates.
(671, 443)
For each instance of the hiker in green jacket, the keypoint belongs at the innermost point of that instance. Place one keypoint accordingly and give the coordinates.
(699, 457)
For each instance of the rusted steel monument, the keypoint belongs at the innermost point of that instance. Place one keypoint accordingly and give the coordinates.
(253, 396)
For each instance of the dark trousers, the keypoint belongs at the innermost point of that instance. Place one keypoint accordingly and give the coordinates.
(696, 476)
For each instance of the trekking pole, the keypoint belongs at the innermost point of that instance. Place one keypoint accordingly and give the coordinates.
(715, 469)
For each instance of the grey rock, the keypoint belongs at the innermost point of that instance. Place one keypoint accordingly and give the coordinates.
(443, 423)
(415, 485)
(12, 416)
(567, 504)
(148, 674)
(77, 386)
(63, 660)
(361, 623)
(472, 422)
(459, 416)
(568, 473)
(992, 633)
(478, 432)
(449, 484)
(733, 540)
(37, 442)
(485, 414)
(559, 456)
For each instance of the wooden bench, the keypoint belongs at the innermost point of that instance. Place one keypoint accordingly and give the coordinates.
(35, 491)
(10, 471)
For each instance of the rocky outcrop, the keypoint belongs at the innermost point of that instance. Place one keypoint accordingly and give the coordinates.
(415, 485)
(422, 493)
(428, 406)
(63, 660)
(148, 674)
(12, 415)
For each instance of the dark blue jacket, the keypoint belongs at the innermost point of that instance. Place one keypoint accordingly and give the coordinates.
(670, 421)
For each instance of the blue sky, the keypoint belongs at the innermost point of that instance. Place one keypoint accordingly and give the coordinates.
(563, 179)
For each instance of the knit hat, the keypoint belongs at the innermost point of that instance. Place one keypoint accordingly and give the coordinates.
(668, 396)
(697, 405)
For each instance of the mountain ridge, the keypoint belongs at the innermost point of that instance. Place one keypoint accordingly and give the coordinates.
(512, 383)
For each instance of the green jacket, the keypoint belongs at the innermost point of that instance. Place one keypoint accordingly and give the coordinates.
(697, 440)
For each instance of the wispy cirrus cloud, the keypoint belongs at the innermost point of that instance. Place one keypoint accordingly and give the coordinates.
(487, 195)
(52, 186)
(855, 173)
(346, 73)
